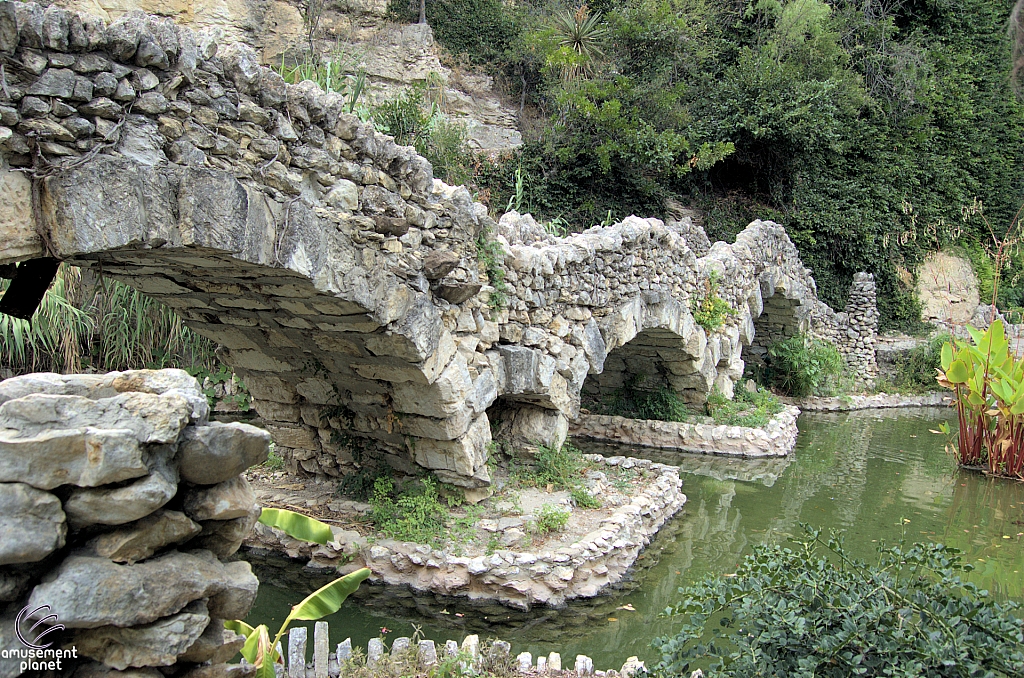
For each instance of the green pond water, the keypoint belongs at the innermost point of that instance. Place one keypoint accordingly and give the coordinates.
(862, 472)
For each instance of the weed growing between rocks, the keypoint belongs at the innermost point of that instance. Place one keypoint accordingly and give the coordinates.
(416, 513)
(632, 401)
(800, 366)
(563, 468)
(710, 310)
(915, 371)
(551, 518)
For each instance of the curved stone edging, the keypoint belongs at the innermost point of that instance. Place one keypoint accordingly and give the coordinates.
(515, 578)
(776, 439)
(877, 401)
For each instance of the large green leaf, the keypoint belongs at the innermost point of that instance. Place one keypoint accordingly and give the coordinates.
(947, 355)
(328, 599)
(956, 374)
(251, 648)
(296, 525)
(239, 627)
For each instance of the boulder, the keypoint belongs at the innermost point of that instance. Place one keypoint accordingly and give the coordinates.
(218, 452)
(216, 645)
(228, 500)
(88, 591)
(224, 537)
(142, 539)
(155, 644)
(31, 522)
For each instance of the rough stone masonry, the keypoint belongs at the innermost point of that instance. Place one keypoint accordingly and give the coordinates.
(342, 280)
(118, 502)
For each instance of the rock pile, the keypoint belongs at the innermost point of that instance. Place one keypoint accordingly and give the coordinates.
(118, 500)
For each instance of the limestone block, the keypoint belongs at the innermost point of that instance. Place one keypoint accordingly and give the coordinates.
(439, 400)
(218, 452)
(152, 418)
(119, 505)
(438, 429)
(84, 457)
(224, 537)
(216, 645)
(90, 591)
(465, 456)
(225, 501)
(300, 437)
(156, 644)
(18, 237)
(32, 524)
(142, 539)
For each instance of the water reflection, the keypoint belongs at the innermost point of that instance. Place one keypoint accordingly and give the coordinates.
(861, 472)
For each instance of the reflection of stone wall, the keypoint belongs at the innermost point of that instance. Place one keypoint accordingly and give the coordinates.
(117, 501)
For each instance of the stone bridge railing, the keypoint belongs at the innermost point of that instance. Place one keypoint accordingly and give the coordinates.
(341, 280)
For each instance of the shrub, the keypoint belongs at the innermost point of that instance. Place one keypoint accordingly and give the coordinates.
(747, 408)
(813, 610)
(915, 371)
(415, 514)
(631, 401)
(799, 367)
(551, 518)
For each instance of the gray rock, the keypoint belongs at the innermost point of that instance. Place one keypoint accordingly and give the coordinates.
(98, 670)
(225, 501)
(218, 452)
(222, 671)
(30, 23)
(439, 263)
(123, 35)
(89, 591)
(344, 196)
(224, 537)
(217, 645)
(457, 293)
(142, 539)
(31, 522)
(152, 418)
(85, 457)
(119, 505)
(155, 644)
(55, 28)
(54, 82)
(8, 28)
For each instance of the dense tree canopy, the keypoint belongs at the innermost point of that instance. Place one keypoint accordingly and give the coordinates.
(874, 130)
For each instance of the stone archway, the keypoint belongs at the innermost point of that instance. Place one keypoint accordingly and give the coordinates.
(777, 314)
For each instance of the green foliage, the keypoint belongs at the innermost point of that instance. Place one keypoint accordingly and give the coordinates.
(635, 402)
(988, 380)
(914, 371)
(753, 409)
(115, 328)
(812, 610)
(563, 468)
(296, 525)
(416, 512)
(551, 518)
(274, 461)
(800, 366)
(415, 121)
(480, 29)
(490, 253)
(338, 73)
(710, 310)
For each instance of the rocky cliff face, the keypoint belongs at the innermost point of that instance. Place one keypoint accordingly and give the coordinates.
(394, 56)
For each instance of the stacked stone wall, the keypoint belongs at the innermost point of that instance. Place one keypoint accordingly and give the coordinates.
(340, 279)
(121, 505)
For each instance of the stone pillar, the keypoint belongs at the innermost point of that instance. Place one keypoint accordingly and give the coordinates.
(862, 332)
(118, 500)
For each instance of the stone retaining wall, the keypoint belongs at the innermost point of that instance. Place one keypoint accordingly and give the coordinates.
(118, 503)
(868, 402)
(775, 439)
(515, 578)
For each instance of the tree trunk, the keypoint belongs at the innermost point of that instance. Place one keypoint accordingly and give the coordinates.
(423, 11)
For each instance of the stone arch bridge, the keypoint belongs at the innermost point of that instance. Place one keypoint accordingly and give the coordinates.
(342, 280)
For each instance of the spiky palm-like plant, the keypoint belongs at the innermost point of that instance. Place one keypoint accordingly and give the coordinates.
(584, 35)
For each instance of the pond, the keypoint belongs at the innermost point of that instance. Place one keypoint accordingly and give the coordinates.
(861, 472)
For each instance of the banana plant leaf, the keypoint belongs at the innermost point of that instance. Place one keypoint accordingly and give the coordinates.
(328, 599)
(296, 525)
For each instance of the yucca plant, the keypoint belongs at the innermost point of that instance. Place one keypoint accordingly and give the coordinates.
(988, 380)
(582, 36)
(259, 650)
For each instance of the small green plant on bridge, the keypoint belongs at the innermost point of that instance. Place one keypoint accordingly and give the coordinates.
(490, 253)
(813, 610)
(710, 310)
(746, 408)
